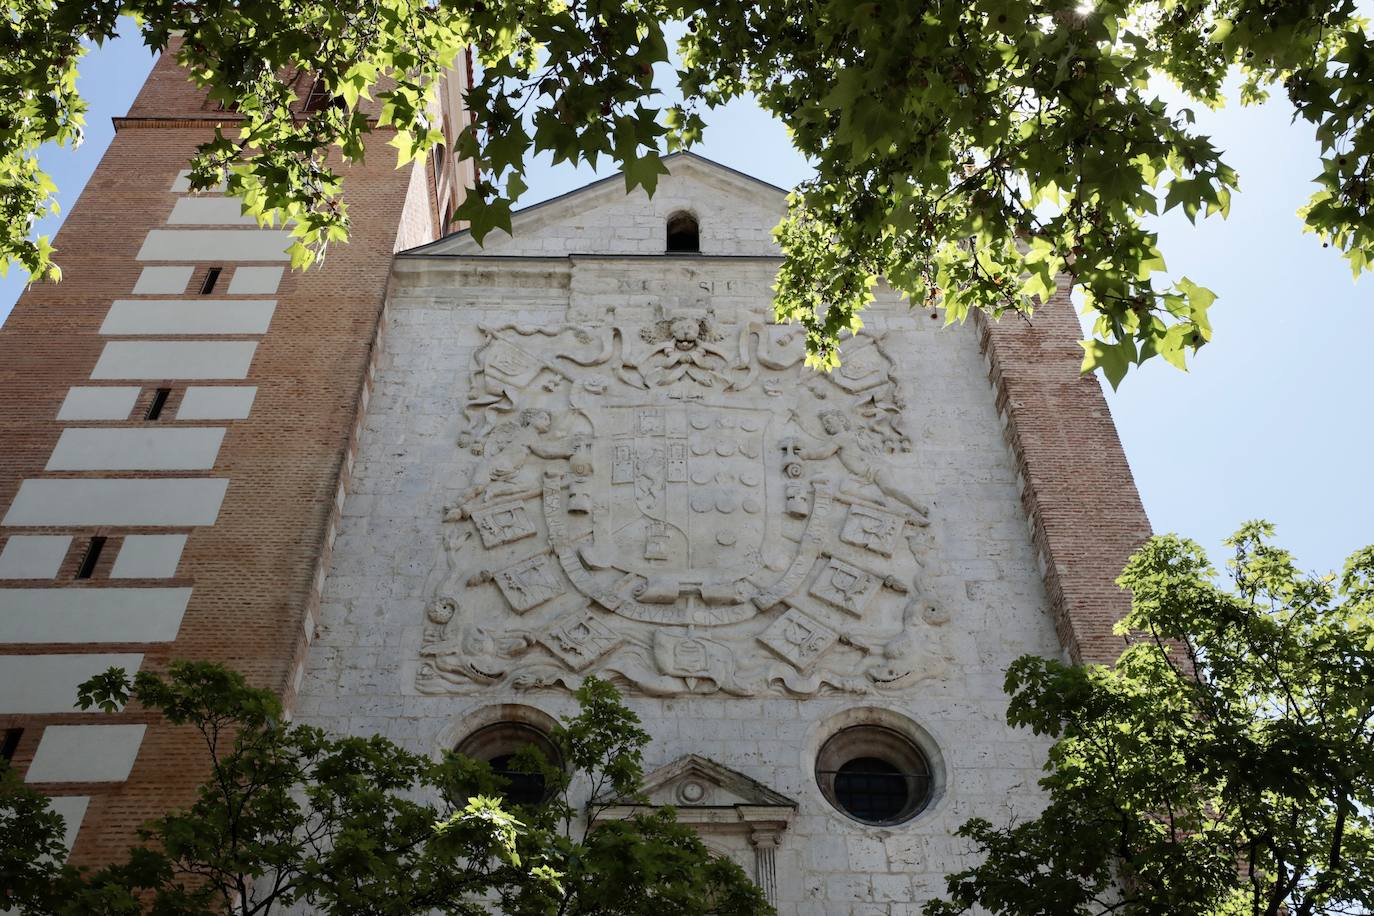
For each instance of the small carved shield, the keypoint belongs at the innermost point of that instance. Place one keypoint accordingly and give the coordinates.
(687, 515)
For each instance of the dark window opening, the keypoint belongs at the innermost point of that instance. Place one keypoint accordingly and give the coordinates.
(521, 788)
(207, 285)
(159, 401)
(91, 558)
(874, 774)
(500, 745)
(319, 97)
(11, 743)
(871, 789)
(683, 233)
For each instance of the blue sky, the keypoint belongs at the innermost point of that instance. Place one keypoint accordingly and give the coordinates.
(1272, 421)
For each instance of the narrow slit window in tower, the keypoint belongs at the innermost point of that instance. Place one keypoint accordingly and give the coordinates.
(91, 558)
(10, 743)
(318, 96)
(155, 406)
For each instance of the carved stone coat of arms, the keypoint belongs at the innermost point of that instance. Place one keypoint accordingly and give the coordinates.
(678, 504)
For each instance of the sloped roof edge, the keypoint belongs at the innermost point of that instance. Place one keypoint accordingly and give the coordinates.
(591, 187)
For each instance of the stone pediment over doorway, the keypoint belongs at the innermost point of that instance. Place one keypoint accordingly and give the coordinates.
(705, 792)
(716, 800)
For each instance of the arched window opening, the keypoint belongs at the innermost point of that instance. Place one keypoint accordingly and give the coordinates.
(522, 788)
(498, 744)
(683, 233)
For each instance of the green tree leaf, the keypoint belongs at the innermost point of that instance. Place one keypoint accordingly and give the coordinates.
(978, 157)
(291, 815)
(1221, 767)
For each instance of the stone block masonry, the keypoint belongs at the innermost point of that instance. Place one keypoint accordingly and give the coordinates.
(588, 456)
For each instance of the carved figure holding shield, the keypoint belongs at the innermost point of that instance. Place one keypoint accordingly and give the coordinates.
(858, 454)
(505, 455)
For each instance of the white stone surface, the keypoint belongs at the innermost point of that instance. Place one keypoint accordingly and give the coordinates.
(154, 281)
(48, 683)
(182, 184)
(735, 215)
(168, 501)
(209, 211)
(73, 811)
(215, 245)
(136, 449)
(148, 556)
(255, 281)
(217, 402)
(175, 359)
(444, 599)
(91, 403)
(189, 316)
(85, 753)
(91, 615)
(33, 556)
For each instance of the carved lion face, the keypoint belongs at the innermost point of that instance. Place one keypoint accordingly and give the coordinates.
(686, 332)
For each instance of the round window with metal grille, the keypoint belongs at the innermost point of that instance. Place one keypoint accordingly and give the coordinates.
(498, 744)
(874, 774)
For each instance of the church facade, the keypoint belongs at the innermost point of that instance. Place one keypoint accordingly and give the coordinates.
(426, 494)
(590, 452)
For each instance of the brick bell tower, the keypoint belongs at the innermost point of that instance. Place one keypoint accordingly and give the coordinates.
(177, 427)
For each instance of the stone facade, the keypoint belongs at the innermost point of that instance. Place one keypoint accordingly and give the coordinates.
(583, 455)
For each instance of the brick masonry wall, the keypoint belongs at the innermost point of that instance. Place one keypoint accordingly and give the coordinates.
(254, 574)
(1085, 513)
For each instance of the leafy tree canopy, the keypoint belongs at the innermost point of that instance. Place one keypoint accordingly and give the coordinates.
(1223, 767)
(291, 815)
(971, 152)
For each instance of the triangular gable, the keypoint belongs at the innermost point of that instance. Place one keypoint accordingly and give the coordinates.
(682, 166)
(693, 781)
(716, 802)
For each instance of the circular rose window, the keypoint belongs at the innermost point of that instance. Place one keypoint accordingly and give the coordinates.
(874, 774)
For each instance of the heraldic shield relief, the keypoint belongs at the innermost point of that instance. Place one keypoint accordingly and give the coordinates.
(678, 504)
